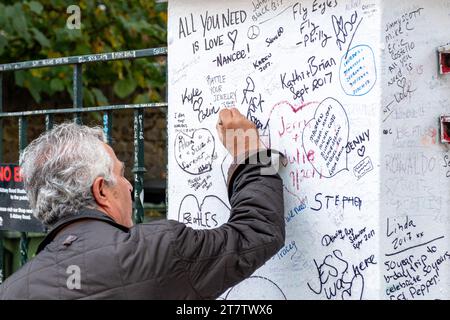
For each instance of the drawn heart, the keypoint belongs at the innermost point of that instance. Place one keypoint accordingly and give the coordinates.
(294, 108)
(361, 151)
(401, 83)
(211, 213)
(232, 35)
(262, 288)
(195, 154)
(286, 122)
(197, 104)
(327, 135)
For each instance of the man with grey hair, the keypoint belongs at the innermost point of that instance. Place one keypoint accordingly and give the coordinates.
(76, 186)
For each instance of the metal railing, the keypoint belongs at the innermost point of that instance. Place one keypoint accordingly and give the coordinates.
(77, 110)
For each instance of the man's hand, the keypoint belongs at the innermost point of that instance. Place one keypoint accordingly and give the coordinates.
(237, 133)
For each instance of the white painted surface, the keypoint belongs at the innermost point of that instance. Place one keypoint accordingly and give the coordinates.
(317, 78)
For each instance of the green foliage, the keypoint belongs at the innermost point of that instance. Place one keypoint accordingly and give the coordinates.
(36, 7)
(123, 88)
(32, 30)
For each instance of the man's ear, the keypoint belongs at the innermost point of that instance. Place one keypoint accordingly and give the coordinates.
(99, 191)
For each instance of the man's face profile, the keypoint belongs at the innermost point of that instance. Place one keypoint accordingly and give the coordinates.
(119, 201)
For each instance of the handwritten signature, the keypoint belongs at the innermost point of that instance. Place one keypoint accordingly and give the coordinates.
(254, 102)
(336, 277)
(196, 100)
(343, 29)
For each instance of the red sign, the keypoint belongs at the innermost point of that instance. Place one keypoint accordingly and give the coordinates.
(10, 173)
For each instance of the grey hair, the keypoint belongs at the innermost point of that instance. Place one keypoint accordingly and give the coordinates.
(59, 168)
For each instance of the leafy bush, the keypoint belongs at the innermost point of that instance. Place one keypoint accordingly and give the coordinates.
(32, 30)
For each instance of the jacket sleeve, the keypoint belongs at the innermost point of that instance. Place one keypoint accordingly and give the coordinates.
(255, 231)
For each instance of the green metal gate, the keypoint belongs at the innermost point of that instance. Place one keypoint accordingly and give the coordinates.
(77, 62)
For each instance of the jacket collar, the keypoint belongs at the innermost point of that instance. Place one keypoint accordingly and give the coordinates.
(91, 214)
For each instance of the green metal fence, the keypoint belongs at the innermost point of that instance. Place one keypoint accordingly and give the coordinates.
(77, 62)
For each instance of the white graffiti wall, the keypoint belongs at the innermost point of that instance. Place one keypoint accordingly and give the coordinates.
(350, 92)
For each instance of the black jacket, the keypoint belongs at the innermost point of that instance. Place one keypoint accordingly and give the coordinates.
(158, 260)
